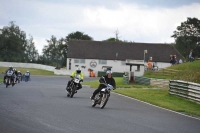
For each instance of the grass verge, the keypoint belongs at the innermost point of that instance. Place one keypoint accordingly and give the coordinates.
(33, 71)
(1, 80)
(188, 71)
(154, 95)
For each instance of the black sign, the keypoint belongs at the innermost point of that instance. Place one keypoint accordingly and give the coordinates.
(70, 64)
(93, 64)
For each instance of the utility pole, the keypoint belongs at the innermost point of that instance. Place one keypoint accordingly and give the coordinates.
(116, 35)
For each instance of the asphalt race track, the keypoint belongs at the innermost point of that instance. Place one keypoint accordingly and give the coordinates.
(41, 106)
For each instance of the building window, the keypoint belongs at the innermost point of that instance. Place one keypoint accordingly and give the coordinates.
(103, 62)
(76, 60)
(82, 61)
(123, 63)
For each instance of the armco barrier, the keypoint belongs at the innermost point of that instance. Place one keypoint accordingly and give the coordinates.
(184, 89)
(142, 80)
(149, 81)
(125, 79)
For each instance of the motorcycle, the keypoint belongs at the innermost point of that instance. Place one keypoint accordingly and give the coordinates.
(19, 77)
(102, 97)
(72, 89)
(26, 77)
(8, 80)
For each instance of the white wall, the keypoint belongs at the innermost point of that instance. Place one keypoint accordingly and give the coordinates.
(116, 66)
(37, 66)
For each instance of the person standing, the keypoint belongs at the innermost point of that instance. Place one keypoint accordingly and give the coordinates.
(191, 55)
(149, 64)
(180, 61)
(170, 59)
(174, 59)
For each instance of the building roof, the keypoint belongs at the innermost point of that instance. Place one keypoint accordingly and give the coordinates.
(120, 51)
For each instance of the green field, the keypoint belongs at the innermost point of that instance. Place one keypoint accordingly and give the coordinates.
(33, 71)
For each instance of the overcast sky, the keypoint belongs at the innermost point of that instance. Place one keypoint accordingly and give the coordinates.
(150, 21)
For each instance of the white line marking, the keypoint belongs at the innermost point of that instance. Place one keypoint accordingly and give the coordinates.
(156, 106)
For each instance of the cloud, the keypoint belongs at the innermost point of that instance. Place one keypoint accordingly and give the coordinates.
(141, 23)
(135, 22)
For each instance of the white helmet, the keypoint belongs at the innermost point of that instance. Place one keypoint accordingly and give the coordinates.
(108, 72)
(27, 71)
(10, 66)
(78, 70)
(18, 71)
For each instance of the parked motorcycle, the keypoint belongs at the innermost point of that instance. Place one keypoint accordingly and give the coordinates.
(102, 97)
(72, 89)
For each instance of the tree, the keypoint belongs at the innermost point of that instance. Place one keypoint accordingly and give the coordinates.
(55, 52)
(112, 39)
(78, 36)
(31, 52)
(14, 45)
(187, 36)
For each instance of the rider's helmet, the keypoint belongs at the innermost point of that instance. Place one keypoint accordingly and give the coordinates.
(10, 67)
(18, 71)
(78, 70)
(27, 71)
(108, 72)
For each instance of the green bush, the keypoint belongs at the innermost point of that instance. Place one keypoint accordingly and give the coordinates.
(114, 74)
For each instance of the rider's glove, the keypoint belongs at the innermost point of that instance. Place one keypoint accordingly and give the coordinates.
(81, 80)
(110, 85)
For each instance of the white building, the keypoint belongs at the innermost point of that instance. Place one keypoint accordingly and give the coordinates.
(98, 55)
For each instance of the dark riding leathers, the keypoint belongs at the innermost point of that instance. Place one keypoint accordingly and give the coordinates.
(5, 75)
(16, 75)
(107, 80)
(20, 78)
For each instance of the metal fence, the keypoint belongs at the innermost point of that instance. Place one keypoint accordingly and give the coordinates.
(142, 80)
(184, 89)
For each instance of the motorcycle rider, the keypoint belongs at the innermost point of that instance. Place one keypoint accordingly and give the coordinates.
(9, 69)
(77, 72)
(19, 76)
(15, 74)
(28, 74)
(105, 79)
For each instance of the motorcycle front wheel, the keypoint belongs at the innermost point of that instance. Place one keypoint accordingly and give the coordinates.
(73, 92)
(93, 103)
(104, 100)
(7, 82)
